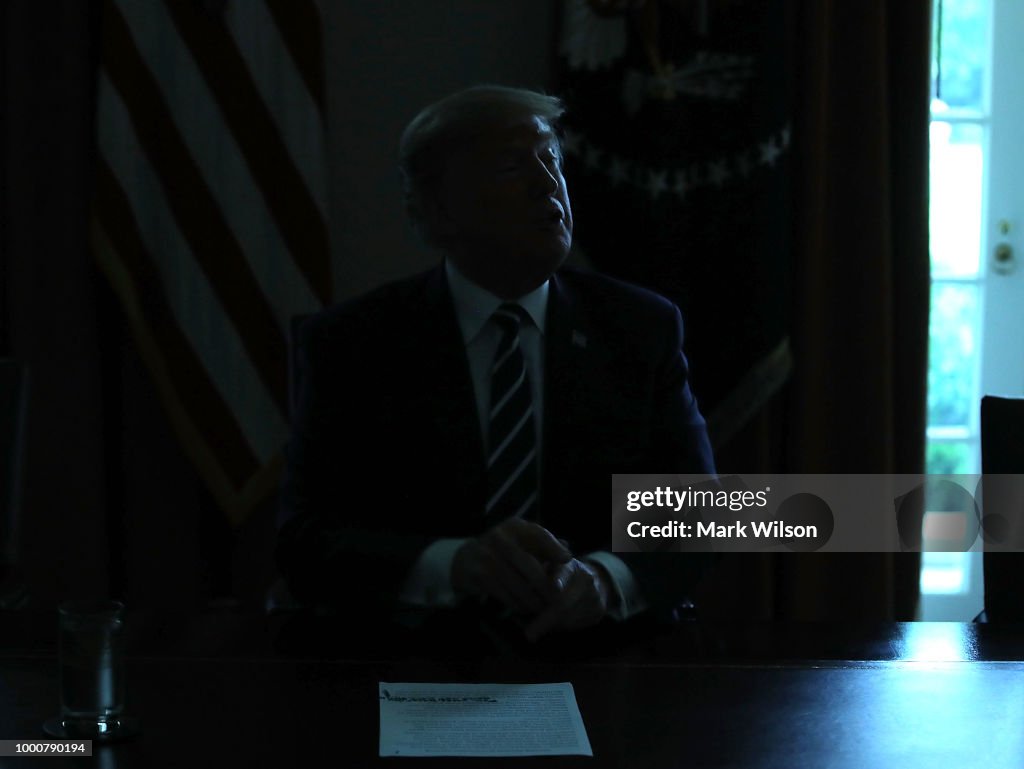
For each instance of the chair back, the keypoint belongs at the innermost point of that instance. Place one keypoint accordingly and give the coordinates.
(294, 326)
(279, 598)
(1002, 452)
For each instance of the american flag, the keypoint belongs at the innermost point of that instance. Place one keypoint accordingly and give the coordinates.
(210, 215)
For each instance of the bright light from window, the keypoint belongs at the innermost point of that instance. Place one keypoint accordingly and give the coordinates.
(949, 579)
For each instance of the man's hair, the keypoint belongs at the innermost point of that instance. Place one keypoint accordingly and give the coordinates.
(454, 120)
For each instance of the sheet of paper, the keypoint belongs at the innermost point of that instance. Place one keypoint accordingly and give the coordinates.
(419, 719)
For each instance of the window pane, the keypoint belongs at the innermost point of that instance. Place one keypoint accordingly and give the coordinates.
(952, 351)
(960, 52)
(955, 202)
(945, 458)
(944, 573)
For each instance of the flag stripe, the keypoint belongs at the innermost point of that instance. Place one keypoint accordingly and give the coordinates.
(188, 377)
(200, 220)
(220, 161)
(299, 23)
(296, 115)
(196, 307)
(247, 117)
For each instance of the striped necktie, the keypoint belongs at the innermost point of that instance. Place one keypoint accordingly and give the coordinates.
(512, 438)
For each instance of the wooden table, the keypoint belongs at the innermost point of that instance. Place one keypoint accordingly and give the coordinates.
(235, 690)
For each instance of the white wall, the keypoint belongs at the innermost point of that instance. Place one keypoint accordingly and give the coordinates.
(385, 60)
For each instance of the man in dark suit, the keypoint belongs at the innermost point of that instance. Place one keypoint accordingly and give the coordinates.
(456, 431)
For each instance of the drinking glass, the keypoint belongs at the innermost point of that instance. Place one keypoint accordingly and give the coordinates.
(91, 667)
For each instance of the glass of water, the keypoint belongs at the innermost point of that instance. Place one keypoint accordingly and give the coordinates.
(91, 666)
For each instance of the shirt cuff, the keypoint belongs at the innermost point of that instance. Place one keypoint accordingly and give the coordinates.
(429, 582)
(628, 599)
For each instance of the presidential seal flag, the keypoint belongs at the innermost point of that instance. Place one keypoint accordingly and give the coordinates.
(678, 141)
(210, 215)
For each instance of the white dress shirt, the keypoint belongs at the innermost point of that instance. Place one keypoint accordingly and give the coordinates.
(429, 584)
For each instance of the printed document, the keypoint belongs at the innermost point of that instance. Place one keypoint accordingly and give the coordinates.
(418, 719)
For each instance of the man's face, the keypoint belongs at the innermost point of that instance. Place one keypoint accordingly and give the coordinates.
(504, 208)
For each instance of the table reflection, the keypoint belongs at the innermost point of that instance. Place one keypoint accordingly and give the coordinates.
(936, 642)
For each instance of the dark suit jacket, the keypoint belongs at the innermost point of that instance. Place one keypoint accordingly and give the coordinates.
(386, 453)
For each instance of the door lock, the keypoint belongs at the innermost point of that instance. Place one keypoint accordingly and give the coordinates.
(1003, 260)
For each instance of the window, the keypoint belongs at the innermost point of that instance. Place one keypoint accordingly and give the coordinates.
(951, 586)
